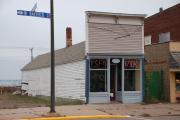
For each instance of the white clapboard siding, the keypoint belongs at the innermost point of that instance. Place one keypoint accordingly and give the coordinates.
(70, 80)
(38, 81)
(103, 38)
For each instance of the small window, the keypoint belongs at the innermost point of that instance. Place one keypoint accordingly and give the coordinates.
(147, 40)
(177, 81)
(164, 37)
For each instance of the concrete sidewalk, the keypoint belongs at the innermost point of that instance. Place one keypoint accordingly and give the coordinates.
(95, 109)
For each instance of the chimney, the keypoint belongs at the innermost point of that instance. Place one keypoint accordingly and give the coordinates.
(68, 37)
(160, 9)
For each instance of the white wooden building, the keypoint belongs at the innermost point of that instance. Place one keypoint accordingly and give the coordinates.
(107, 66)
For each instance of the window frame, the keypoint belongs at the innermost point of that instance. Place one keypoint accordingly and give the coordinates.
(164, 37)
(136, 69)
(106, 74)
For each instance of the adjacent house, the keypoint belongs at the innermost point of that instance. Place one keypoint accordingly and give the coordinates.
(107, 66)
(162, 49)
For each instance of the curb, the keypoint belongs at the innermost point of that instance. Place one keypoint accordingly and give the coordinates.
(79, 117)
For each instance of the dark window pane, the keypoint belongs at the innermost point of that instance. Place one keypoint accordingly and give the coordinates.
(119, 81)
(177, 81)
(98, 80)
(116, 62)
(98, 63)
(132, 80)
(131, 64)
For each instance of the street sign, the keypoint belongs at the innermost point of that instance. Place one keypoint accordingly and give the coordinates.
(33, 13)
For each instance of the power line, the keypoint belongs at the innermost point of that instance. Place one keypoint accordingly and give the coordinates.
(16, 47)
(24, 48)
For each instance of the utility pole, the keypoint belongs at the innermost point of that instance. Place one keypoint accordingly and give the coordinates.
(31, 49)
(52, 106)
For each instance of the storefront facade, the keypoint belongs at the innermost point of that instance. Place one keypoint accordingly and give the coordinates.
(115, 78)
(115, 58)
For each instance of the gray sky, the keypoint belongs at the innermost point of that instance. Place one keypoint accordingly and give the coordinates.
(21, 31)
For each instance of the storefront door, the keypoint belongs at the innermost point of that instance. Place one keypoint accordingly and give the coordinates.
(112, 81)
(115, 79)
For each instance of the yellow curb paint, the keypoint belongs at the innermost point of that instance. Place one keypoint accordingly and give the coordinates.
(79, 117)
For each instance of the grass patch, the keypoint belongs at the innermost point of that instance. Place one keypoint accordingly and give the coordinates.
(66, 101)
(28, 99)
(17, 101)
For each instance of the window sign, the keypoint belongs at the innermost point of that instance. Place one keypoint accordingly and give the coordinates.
(131, 64)
(132, 75)
(98, 64)
(98, 75)
(116, 61)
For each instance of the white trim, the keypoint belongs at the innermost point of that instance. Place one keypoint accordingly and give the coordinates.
(115, 14)
(132, 69)
(98, 93)
(99, 69)
(86, 34)
(132, 91)
(108, 77)
(122, 86)
(143, 37)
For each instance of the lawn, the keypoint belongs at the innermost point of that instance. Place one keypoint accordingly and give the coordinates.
(8, 101)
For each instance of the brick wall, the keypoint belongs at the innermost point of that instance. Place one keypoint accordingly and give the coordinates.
(157, 59)
(165, 21)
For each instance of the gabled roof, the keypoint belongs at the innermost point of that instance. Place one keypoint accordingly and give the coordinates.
(62, 56)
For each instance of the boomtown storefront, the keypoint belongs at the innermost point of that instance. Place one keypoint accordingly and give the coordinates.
(114, 57)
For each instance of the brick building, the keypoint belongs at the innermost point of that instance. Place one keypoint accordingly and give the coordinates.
(166, 23)
(162, 49)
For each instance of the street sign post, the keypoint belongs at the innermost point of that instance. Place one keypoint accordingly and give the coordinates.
(50, 15)
(52, 106)
(33, 14)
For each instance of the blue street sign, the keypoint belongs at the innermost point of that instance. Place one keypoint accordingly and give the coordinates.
(34, 14)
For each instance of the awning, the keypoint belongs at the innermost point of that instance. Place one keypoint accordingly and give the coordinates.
(174, 60)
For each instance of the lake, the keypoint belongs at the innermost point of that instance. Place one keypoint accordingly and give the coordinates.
(10, 83)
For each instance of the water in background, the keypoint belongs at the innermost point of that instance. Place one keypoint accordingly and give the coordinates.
(10, 83)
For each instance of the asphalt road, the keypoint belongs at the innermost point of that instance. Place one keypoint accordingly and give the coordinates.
(144, 118)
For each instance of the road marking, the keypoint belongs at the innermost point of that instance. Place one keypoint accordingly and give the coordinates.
(79, 117)
(140, 118)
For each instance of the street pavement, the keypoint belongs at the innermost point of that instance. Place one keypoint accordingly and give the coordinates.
(144, 118)
(137, 111)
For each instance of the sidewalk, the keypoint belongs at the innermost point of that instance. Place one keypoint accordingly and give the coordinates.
(95, 109)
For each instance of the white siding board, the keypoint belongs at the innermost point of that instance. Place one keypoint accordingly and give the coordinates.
(132, 97)
(102, 19)
(130, 21)
(103, 38)
(69, 78)
(115, 19)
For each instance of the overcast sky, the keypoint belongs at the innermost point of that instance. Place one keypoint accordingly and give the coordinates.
(21, 31)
